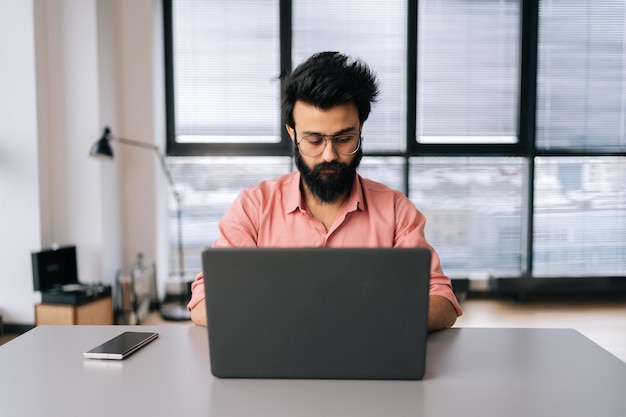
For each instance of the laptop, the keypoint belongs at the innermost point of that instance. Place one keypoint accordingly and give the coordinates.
(317, 313)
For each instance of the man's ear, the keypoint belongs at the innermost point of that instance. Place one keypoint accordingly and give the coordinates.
(291, 131)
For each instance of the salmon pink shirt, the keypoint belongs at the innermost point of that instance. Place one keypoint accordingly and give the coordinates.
(272, 214)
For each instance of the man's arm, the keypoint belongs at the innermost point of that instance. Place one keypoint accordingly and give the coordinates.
(198, 314)
(237, 229)
(441, 313)
(410, 223)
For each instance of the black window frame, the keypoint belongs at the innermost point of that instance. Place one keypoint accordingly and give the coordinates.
(526, 118)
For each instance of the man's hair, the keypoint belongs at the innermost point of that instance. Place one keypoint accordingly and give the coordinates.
(328, 79)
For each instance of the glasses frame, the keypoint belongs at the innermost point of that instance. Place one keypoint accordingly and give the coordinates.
(332, 139)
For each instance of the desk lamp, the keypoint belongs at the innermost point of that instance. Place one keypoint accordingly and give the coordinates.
(102, 149)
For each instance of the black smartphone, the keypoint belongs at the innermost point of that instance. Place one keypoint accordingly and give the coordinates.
(121, 346)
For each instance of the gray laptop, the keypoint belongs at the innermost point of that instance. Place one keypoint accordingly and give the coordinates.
(357, 313)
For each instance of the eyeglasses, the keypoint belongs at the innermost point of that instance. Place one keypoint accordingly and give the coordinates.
(314, 145)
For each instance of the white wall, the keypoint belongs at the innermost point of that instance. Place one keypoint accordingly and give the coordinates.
(19, 183)
(75, 66)
(142, 117)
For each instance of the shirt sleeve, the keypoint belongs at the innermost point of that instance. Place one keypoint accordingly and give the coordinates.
(238, 228)
(240, 225)
(410, 224)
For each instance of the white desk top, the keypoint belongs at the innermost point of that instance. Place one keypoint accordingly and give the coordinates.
(482, 372)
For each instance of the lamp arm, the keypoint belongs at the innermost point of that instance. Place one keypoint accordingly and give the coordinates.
(160, 156)
(168, 175)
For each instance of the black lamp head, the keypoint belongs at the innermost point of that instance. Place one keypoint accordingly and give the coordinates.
(102, 148)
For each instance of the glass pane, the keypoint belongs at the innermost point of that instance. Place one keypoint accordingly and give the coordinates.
(581, 77)
(208, 186)
(475, 212)
(373, 30)
(468, 76)
(226, 68)
(580, 217)
(387, 170)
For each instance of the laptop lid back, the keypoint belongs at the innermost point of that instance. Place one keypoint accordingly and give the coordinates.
(349, 313)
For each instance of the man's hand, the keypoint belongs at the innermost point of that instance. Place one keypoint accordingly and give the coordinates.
(198, 314)
(441, 313)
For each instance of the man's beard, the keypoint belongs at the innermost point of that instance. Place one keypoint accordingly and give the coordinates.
(327, 188)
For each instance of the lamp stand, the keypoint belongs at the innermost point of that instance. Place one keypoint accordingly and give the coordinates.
(102, 148)
(178, 312)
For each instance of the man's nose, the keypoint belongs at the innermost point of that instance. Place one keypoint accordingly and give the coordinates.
(329, 153)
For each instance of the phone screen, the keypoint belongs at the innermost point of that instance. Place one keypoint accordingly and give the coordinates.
(121, 346)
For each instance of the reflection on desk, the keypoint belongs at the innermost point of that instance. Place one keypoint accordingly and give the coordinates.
(482, 372)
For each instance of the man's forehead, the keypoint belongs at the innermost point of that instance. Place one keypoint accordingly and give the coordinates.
(345, 114)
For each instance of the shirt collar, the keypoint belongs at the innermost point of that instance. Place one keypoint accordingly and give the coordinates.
(293, 200)
(355, 200)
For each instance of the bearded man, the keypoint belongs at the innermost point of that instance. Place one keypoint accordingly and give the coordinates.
(326, 203)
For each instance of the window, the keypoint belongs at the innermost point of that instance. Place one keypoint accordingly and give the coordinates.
(580, 201)
(502, 120)
(581, 103)
(208, 186)
(225, 77)
(470, 204)
(468, 72)
(580, 216)
(374, 31)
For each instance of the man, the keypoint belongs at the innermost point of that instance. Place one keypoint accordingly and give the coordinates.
(325, 102)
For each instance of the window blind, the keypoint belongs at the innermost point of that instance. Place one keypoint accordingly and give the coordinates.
(468, 71)
(375, 31)
(581, 76)
(226, 69)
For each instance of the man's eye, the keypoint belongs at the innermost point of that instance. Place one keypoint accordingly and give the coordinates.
(344, 138)
(315, 140)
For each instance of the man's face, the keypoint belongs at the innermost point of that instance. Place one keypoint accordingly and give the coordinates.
(330, 174)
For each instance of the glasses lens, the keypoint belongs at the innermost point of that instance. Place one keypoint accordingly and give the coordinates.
(346, 144)
(312, 145)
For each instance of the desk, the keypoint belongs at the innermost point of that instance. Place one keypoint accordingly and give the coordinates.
(470, 372)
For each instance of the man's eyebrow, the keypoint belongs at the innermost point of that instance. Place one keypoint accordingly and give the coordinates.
(340, 132)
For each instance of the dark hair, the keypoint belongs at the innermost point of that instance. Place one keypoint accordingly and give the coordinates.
(327, 79)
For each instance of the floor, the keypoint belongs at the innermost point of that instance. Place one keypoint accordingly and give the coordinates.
(6, 337)
(602, 321)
